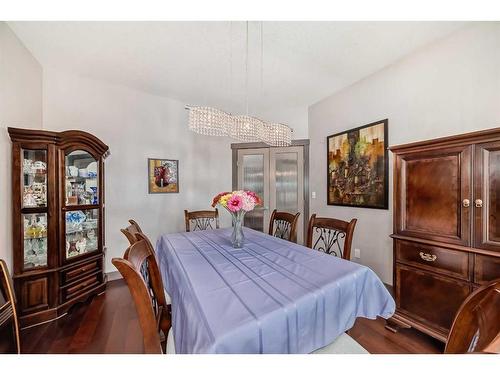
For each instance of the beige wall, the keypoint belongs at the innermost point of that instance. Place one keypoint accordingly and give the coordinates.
(20, 106)
(450, 87)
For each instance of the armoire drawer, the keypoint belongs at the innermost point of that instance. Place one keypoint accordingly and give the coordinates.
(486, 268)
(429, 298)
(433, 258)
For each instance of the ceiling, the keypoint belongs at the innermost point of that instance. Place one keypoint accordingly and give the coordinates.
(293, 64)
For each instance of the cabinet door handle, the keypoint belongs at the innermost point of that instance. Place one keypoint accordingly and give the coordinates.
(466, 203)
(478, 203)
(428, 257)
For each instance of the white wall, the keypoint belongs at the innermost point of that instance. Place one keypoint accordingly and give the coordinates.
(450, 87)
(294, 117)
(20, 106)
(135, 126)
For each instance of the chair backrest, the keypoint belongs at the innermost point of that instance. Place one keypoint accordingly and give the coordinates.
(131, 231)
(201, 220)
(8, 315)
(140, 271)
(284, 225)
(476, 328)
(327, 234)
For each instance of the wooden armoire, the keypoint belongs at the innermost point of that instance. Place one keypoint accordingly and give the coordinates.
(446, 227)
(57, 220)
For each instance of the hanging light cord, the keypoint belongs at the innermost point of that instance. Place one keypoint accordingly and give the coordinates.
(246, 71)
(230, 59)
(262, 57)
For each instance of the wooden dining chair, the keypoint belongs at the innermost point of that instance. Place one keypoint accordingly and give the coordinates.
(284, 225)
(142, 236)
(143, 279)
(9, 325)
(201, 220)
(131, 231)
(476, 328)
(327, 235)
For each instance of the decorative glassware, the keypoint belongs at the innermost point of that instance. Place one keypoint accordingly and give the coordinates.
(81, 232)
(94, 194)
(237, 237)
(34, 178)
(35, 240)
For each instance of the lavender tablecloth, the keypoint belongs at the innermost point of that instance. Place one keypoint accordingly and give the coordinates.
(271, 296)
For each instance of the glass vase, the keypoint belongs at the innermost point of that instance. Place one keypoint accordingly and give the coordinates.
(237, 237)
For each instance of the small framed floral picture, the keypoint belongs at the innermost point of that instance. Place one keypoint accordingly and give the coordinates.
(163, 176)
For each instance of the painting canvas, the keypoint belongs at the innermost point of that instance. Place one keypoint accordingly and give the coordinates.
(357, 167)
(163, 176)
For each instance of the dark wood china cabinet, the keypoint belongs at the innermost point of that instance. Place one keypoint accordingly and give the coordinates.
(446, 227)
(58, 220)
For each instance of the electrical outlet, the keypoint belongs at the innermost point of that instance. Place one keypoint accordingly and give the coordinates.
(357, 253)
(313, 195)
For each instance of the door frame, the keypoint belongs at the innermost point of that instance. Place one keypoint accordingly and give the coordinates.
(299, 142)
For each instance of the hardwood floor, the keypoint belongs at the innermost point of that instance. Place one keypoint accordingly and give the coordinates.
(108, 324)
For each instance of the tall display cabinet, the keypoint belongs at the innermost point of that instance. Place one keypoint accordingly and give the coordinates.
(57, 220)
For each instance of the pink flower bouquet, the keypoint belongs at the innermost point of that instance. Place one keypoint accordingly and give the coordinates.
(238, 203)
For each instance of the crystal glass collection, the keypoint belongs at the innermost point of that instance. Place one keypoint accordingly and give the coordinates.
(211, 121)
(35, 240)
(34, 178)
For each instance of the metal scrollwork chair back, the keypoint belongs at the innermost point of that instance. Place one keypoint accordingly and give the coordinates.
(327, 234)
(476, 328)
(201, 220)
(284, 225)
(8, 315)
(131, 231)
(143, 278)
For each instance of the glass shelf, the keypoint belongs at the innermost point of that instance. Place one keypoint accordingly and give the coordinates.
(81, 179)
(82, 232)
(35, 240)
(34, 178)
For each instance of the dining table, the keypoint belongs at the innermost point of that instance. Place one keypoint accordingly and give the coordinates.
(269, 296)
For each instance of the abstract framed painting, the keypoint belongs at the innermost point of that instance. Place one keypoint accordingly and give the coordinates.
(163, 176)
(357, 168)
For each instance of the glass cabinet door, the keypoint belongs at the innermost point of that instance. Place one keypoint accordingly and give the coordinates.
(35, 240)
(34, 178)
(82, 232)
(82, 174)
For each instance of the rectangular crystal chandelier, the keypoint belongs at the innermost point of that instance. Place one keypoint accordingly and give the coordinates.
(212, 121)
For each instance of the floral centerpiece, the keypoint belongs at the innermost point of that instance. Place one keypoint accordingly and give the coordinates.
(238, 203)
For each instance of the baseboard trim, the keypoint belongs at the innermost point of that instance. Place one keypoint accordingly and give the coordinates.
(115, 275)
